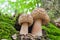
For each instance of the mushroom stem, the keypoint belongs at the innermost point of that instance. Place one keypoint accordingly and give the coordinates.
(24, 29)
(37, 29)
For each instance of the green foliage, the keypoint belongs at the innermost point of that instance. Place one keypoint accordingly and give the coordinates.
(52, 31)
(19, 5)
(6, 27)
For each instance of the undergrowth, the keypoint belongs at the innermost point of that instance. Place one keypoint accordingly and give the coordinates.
(7, 28)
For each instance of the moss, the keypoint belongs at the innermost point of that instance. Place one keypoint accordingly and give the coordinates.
(52, 31)
(6, 27)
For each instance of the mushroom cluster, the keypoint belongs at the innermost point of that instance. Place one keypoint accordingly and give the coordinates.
(38, 16)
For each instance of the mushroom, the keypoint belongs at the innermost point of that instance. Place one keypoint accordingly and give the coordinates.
(25, 20)
(40, 17)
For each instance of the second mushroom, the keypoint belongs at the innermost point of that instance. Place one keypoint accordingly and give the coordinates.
(40, 17)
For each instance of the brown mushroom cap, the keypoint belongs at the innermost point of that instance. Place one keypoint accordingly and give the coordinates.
(25, 18)
(40, 13)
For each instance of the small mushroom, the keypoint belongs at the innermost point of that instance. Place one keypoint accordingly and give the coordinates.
(25, 20)
(40, 17)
